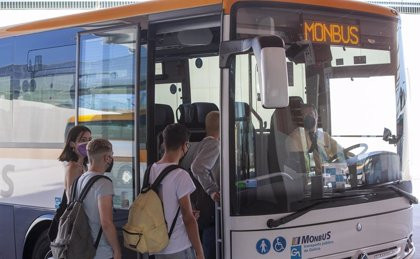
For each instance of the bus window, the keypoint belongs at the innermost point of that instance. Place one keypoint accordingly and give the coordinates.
(6, 61)
(205, 79)
(45, 92)
(170, 94)
(106, 100)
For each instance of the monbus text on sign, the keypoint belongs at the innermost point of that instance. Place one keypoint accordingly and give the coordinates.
(331, 33)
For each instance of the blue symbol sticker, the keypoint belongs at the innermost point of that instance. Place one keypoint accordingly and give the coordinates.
(279, 244)
(263, 246)
(296, 252)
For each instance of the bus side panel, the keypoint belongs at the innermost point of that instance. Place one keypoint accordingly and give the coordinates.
(7, 237)
(24, 216)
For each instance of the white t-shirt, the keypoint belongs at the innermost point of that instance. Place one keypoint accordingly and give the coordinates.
(173, 187)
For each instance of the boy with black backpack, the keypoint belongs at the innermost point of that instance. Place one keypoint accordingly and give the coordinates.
(175, 190)
(86, 229)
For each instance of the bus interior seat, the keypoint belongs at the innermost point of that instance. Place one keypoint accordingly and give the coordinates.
(193, 116)
(283, 122)
(295, 105)
(164, 116)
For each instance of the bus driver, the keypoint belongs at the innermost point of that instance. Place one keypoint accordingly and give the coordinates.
(314, 142)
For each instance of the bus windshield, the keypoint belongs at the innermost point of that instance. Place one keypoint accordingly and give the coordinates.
(345, 89)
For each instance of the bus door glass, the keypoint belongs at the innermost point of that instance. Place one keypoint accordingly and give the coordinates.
(106, 99)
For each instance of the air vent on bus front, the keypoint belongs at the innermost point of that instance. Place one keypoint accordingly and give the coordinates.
(388, 253)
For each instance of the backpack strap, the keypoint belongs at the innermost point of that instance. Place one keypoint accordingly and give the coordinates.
(89, 184)
(174, 222)
(146, 178)
(162, 175)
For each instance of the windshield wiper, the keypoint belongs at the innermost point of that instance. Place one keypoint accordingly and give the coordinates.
(391, 185)
(411, 198)
(272, 223)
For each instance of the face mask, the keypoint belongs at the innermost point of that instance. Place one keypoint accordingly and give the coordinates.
(81, 148)
(109, 168)
(309, 122)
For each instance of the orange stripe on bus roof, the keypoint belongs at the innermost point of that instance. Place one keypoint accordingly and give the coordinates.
(159, 6)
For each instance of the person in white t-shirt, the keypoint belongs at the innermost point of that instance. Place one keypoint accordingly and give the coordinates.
(175, 190)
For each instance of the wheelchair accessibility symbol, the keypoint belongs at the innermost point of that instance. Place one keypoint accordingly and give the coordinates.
(279, 244)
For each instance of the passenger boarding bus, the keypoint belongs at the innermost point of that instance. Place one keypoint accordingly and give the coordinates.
(127, 72)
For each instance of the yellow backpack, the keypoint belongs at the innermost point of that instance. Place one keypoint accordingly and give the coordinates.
(146, 230)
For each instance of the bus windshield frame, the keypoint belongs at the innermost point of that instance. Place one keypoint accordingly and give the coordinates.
(339, 55)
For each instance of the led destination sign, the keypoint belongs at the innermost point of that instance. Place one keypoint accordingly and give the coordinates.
(331, 33)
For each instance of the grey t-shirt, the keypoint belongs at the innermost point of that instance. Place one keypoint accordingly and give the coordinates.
(203, 159)
(100, 188)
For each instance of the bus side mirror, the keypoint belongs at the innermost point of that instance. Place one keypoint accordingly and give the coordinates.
(274, 84)
(270, 54)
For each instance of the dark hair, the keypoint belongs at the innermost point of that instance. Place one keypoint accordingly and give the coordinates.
(174, 136)
(310, 106)
(68, 154)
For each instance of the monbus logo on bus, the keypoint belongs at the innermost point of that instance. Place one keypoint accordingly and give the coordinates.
(308, 239)
(332, 33)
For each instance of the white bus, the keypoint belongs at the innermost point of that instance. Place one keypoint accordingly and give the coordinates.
(127, 72)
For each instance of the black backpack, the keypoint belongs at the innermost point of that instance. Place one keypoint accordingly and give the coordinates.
(52, 231)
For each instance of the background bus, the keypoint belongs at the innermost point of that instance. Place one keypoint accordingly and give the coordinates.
(129, 72)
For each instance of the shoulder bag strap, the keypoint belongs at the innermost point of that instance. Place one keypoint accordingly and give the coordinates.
(73, 190)
(98, 238)
(146, 178)
(64, 198)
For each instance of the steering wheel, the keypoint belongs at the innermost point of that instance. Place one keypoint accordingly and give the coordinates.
(348, 154)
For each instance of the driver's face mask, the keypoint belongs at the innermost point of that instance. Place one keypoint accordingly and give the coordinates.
(309, 122)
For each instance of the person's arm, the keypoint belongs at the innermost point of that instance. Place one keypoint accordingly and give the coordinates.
(191, 225)
(73, 170)
(107, 223)
(204, 163)
(334, 149)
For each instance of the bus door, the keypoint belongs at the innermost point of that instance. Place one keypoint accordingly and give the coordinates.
(108, 93)
(186, 80)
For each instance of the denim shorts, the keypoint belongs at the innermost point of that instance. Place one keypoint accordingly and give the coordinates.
(185, 254)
